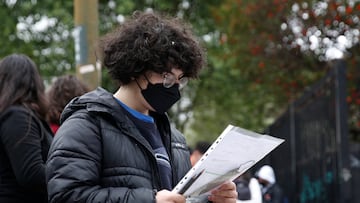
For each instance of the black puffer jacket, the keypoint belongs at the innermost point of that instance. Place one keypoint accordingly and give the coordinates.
(98, 155)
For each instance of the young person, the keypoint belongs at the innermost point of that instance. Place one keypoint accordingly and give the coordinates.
(121, 147)
(24, 135)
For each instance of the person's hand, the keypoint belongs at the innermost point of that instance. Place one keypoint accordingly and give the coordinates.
(165, 196)
(226, 193)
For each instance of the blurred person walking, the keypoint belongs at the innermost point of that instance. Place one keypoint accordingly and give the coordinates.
(61, 92)
(271, 191)
(24, 135)
(248, 189)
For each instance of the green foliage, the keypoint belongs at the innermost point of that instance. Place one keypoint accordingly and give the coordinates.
(255, 65)
(51, 48)
(266, 66)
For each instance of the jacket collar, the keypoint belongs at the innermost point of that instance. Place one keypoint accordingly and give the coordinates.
(100, 101)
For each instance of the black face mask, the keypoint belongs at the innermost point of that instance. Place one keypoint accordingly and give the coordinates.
(160, 97)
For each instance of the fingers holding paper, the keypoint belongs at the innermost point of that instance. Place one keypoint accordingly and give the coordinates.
(165, 196)
(226, 193)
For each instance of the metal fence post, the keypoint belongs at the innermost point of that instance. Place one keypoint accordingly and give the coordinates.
(342, 134)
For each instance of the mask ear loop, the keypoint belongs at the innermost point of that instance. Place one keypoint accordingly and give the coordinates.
(139, 84)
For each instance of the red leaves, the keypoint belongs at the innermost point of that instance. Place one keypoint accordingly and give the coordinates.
(338, 17)
(349, 21)
(349, 10)
(261, 65)
(328, 22)
(270, 14)
(354, 97)
(255, 49)
(334, 6)
(357, 101)
(348, 99)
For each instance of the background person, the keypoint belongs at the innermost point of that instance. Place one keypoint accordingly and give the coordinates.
(271, 191)
(200, 148)
(24, 135)
(62, 90)
(248, 188)
(121, 147)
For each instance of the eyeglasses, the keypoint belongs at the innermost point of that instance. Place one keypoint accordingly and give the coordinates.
(170, 80)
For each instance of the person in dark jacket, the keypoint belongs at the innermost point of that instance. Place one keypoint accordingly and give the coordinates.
(271, 191)
(24, 135)
(121, 147)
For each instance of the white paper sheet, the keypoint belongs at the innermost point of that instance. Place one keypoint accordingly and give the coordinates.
(232, 153)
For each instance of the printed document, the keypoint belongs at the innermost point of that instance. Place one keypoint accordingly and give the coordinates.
(232, 153)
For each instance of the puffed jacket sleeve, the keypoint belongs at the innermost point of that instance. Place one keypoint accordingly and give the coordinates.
(74, 165)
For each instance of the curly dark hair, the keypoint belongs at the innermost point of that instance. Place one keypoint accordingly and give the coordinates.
(61, 92)
(150, 41)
